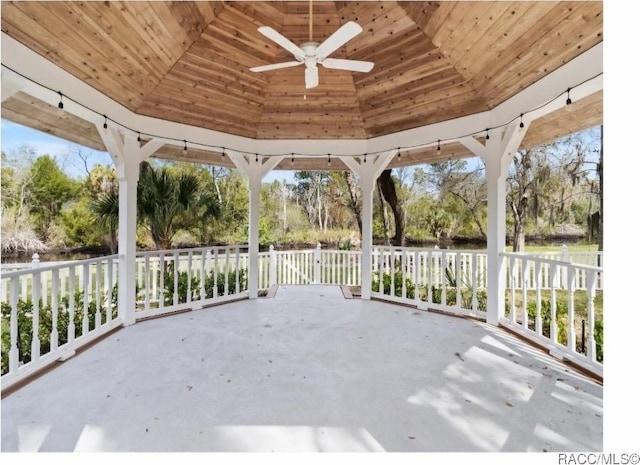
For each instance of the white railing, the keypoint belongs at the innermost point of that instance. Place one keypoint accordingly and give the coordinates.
(172, 280)
(447, 280)
(546, 299)
(49, 311)
(553, 303)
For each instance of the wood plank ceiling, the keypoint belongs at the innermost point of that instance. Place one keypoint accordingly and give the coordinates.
(189, 62)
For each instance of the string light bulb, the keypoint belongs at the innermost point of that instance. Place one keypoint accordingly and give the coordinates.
(568, 96)
(292, 158)
(487, 136)
(439, 150)
(521, 122)
(256, 158)
(223, 152)
(138, 137)
(365, 158)
(399, 153)
(105, 122)
(184, 150)
(329, 160)
(60, 105)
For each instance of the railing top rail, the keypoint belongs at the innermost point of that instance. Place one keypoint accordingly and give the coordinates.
(58, 266)
(190, 249)
(536, 258)
(430, 249)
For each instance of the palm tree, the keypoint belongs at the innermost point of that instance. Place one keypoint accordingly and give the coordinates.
(105, 211)
(165, 200)
(168, 201)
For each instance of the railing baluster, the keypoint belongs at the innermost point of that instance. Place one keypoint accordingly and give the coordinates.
(571, 333)
(458, 277)
(538, 297)
(189, 273)
(474, 281)
(176, 273)
(110, 277)
(71, 311)
(525, 288)
(98, 316)
(553, 325)
(148, 279)
(226, 271)
(237, 270)
(35, 338)
(203, 274)
(514, 273)
(55, 277)
(85, 300)
(14, 352)
(591, 294)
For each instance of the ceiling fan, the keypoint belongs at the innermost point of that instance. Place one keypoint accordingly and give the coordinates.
(312, 54)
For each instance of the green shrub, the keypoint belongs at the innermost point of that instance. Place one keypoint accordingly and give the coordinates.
(598, 335)
(45, 327)
(183, 286)
(397, 284)
(562, 311)
(215, 280)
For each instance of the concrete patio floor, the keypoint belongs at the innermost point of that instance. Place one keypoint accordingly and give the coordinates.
(307, 371)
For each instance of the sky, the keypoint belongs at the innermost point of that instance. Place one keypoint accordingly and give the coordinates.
(14, 135)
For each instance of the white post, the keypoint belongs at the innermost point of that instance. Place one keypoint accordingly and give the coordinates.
(254, 169)
(497, 154)
(368, 172)
(127, 154)
(255, 183)
(128, 174)
(367, 184)
(496, 174)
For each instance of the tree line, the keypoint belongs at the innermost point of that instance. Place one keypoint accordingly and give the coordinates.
(549, 188)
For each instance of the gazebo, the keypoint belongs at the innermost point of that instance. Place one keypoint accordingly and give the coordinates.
(173, 80)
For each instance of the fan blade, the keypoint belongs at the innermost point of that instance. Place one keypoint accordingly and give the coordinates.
(311, 77)
(286, 64)
(282, 41)
(336, 40)
(349, 65)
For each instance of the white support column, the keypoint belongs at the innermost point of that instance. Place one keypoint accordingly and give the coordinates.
(254, 168)
(368, 169)
(127, 154)
(497, 155)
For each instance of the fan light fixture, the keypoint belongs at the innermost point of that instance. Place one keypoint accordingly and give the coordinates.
(312, 54)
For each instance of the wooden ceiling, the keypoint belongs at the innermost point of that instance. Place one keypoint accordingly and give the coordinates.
(189, 62)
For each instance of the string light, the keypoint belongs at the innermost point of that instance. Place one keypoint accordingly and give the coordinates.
(184, 150)
(256, 158)
(438, 146)
(60, 105)
(364, 159)
(329, 160)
